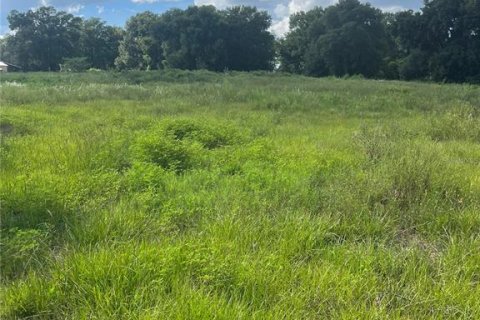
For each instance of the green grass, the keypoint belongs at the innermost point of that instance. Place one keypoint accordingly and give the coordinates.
(193, 195)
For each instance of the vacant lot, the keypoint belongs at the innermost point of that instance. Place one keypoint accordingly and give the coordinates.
(242, 196)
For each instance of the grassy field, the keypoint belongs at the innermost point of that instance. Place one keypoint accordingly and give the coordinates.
(186, 195)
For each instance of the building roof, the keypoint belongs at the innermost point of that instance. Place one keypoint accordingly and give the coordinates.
(6, 64)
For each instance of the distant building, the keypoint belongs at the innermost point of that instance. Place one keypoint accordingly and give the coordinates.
(6, 67)
(3, 67)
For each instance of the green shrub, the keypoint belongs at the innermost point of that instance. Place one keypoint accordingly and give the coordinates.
(210, 135)
(167, 152)
(181, 144)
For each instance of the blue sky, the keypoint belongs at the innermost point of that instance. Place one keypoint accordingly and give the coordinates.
(116, 12)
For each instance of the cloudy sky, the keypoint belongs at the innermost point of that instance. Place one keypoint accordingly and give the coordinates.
(116, 12)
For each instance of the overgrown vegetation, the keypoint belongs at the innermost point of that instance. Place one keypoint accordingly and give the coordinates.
(238, 196)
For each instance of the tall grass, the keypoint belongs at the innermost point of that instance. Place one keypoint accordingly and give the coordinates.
(195, 195)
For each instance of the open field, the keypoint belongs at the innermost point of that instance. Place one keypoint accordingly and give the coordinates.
(243, 196)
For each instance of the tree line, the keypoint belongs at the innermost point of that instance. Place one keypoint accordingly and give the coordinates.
(196, 38)
(440, 42)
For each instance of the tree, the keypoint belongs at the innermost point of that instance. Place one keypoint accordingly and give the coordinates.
(249, 44)
(140, 47)
(452, 39)
(194, 39)
(42, 38)
(207, 38)
(442, 42)
(5, 53)
(298, 45)
(99, 43)
(347, 38)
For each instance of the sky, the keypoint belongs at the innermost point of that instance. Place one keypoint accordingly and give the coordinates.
(116, 12)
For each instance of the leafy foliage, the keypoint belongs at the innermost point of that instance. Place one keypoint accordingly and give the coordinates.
(344, 39)
(199, 38)
(441, 42)
(43, 38)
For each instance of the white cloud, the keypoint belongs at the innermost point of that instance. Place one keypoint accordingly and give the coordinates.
(75, 8)
(304, 5)
(144, 1)
(221, 4)
(393, 9)
(281, 10)
(100, 9)
(280, 27)
(5, 31)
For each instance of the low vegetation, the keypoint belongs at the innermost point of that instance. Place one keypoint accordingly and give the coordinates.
(194, 195)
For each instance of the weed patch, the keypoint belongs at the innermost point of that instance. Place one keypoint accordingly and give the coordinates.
(460, 123)
(180, 145)
(194, 195)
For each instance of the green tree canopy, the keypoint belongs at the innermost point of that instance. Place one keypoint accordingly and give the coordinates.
(140, 47)
(99, 43)
(347, 38)
(42, 38)
(249, 44)
(440, 42)
(199, 38)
